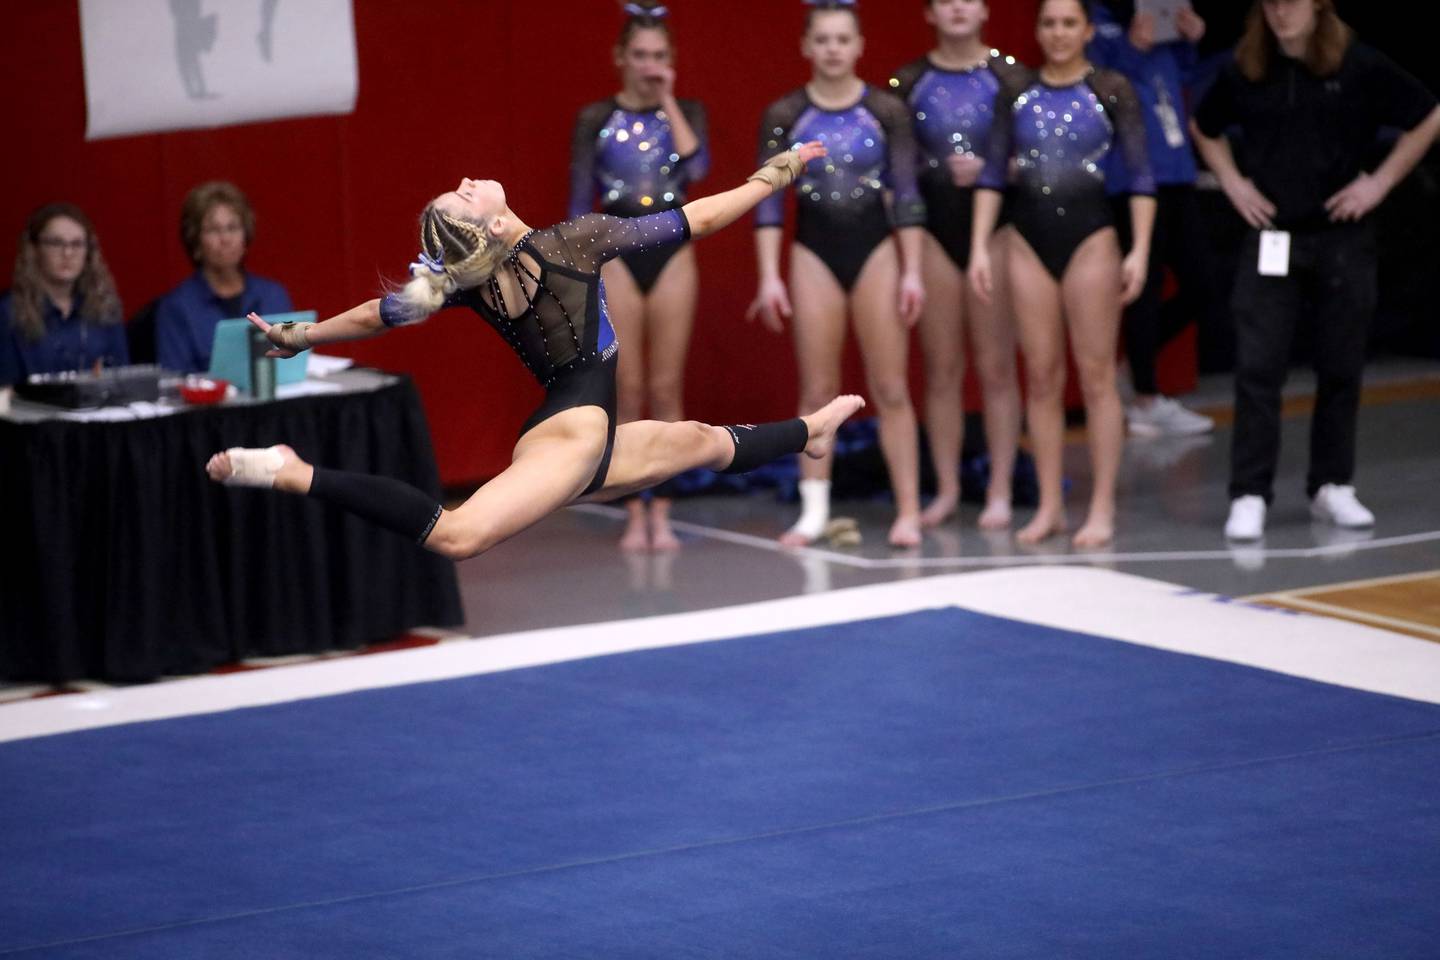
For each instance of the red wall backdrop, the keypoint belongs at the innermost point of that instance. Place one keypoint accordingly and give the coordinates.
(448, 88)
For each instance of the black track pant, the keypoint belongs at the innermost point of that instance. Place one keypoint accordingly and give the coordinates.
(1178, 243)
(1329, 299)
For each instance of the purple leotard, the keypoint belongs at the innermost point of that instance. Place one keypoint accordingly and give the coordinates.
(1062, 140)
(628, 159)
(953, 112)
(842, 215)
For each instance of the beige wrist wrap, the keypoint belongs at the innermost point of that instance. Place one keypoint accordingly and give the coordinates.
(291, 336)
(780, 170)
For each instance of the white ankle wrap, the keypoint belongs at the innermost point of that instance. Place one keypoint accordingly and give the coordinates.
(254, 467)
(814, 509)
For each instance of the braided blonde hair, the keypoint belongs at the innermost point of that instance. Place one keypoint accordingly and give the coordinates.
(466, 252)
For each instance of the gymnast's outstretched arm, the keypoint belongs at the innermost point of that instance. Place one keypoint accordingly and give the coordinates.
(357, 323)
(708, 214)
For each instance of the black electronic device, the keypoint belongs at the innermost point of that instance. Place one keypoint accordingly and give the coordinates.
(108, 387)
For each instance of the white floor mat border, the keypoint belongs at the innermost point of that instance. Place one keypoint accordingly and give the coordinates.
(1102, 602)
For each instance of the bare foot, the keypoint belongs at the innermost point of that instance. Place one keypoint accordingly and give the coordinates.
(1097, 532)
(942, 508)
(636, 538)
(662, 535)
(823, 423)
(995, 516)
(1045, 525)
(905, 532)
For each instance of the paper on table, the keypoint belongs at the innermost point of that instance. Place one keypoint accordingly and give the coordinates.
(137, 410)
(305, 388)
(322, 364)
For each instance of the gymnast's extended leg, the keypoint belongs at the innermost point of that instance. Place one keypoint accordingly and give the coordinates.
(648, 452)
(552, 464)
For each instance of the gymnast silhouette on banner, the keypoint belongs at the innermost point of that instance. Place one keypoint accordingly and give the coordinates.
(195, 33)
(183, 64)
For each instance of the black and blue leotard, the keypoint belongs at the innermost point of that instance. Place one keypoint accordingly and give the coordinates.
(842, 215)
(1063, 140)
(562, 332)
(953, 112)
(628, 159)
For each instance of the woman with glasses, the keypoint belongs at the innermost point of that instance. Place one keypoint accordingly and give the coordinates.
(62, 312)
(217, 227)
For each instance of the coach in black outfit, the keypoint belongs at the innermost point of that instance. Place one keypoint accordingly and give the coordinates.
(1307, 100)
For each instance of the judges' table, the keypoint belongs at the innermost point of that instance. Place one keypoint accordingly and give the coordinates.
(125, 562)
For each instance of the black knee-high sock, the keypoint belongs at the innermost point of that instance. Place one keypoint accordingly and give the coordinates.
(758, 444)
(391, 503)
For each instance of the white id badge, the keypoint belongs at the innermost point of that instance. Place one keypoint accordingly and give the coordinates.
(1274, 253)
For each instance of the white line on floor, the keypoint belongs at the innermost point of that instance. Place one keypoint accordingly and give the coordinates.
(1243, 552)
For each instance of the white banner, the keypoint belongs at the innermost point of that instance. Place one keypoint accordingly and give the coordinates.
(153, 65)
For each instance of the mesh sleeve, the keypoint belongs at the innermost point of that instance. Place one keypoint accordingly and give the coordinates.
(996, 173)
(907, 205)
(1132, 171)
(902, 81)
(695, 166)
(597, 237)
(582, 155)
(1013, 75)
(775, 127)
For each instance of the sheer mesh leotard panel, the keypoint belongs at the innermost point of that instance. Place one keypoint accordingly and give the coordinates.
(1062, 140)
(953, 112)
(842, 214)
(562, 330)
(628, 159)
(566, 321)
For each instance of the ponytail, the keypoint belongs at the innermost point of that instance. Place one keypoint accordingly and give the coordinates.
(455, 255)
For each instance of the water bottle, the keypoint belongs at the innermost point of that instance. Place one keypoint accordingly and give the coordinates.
(262, 368)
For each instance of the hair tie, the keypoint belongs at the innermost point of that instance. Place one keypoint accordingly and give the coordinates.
(636, 10)
(433, 264)
(832, 4)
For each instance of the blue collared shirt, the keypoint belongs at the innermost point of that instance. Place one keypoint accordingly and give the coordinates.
(69, 343)
(186, 317)
(1159, 77)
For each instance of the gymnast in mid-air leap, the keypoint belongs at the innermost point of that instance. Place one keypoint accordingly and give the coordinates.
(541, 290)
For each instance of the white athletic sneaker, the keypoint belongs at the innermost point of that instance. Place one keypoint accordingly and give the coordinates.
(1166, 418)
(1247, 518)
(1336, 504)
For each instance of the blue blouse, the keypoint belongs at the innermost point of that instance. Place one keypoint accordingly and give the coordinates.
(186, 317)
(69, 343)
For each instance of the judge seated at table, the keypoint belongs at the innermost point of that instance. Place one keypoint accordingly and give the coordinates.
(61, 312)
(217, 227)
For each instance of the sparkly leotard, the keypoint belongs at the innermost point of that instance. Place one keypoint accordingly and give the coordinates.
(953, 112)
(628, 159)
(841, 215)
(1062, 140)
(562, 331)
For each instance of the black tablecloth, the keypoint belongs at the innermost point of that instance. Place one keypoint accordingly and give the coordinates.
(126, 562)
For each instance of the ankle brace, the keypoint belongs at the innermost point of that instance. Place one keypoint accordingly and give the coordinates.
(814, 509)
(756, 445)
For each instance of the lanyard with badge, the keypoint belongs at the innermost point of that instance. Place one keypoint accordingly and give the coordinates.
(1274, 253)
